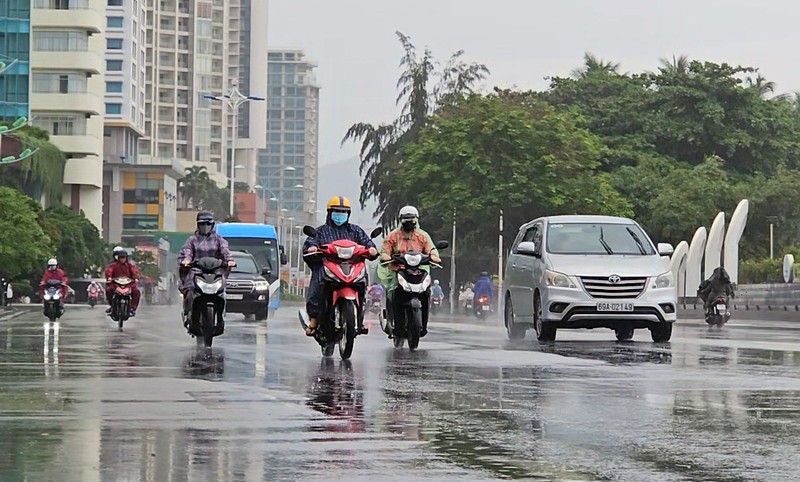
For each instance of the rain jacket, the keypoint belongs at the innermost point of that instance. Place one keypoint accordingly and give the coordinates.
(58, 274)
(211, 246)
(483, 287)
(399, 241)
(718, 284)
(122, 270)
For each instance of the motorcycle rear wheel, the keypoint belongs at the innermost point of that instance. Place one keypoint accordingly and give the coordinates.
(347, 319)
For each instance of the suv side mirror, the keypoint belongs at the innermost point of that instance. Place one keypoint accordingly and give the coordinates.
(284, 259)
(442, 245)
(665, 249)
(528, 248)
(309, 231)
(266, 271)
(376, 232)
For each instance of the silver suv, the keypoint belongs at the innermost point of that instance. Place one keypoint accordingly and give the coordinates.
(588, 272)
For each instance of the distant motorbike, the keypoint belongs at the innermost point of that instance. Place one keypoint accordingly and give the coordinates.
(121, 300)
(205, 319)
(436, 304)
(375, 305)
(344, 262)
(93, 298)
(52, 300)
(718, 313)
(482, 307)
(411, 297)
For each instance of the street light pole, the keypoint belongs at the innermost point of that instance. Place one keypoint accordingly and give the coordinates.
(453, 288)
(500, 266)
(233, 99)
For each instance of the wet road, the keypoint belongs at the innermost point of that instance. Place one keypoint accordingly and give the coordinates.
(98, 405)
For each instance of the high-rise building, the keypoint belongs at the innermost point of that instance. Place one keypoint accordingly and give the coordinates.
(196, 48)
(287, 167)
(67, 66)
(15, 28)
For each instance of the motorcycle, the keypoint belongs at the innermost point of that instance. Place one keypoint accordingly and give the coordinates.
(483, 307)
(411, 297)
(344, 263)
(436, 304)
(93, 298)
(52, 300)
(718, 313)
(375, 305)
(205, 319)
(121, 300)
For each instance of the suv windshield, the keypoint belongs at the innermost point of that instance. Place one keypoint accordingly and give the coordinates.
(597, 238)
(244, 264)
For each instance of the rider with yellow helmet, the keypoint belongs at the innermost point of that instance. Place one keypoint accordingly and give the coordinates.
(337, 226)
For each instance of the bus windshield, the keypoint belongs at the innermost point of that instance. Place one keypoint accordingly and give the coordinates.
(265, 251)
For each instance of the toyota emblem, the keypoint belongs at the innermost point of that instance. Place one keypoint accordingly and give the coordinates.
(233, 285)
(614, 279)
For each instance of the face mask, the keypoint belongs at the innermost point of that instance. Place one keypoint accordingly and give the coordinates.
(204, 229)
(52, 268)
(409, 225)
(339, 218)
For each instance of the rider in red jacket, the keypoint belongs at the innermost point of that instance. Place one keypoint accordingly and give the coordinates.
(55, 273)
(121, 268)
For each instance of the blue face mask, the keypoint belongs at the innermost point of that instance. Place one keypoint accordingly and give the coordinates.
(339, 218)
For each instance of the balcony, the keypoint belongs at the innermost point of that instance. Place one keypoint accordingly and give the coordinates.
(85, 18)
(71, 102)
(85, 144)
(85, 60)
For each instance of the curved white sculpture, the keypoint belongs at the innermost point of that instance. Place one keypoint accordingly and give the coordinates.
(714, 245)
(678, 267)
(733, 237)
(694, 261)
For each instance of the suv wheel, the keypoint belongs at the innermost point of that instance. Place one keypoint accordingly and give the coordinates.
(661, 332)
(624, 334)
(515, 332)
(544, 331)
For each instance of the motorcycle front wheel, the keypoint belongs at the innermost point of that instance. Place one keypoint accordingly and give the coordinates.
(208, 326)
(347, 320)
(414, 328)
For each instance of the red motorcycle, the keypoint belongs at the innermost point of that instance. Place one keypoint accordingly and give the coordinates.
(341, 314)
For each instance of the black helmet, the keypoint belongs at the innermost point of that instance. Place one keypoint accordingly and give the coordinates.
(205, 222)
(484, 274)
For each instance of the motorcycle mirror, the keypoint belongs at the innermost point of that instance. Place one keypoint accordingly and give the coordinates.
(309, 231)
(442, 245)
(376, 232)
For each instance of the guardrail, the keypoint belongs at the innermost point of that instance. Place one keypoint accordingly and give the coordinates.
(761, 297)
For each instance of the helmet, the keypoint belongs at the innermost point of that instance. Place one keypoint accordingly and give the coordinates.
(436, 282)
(339, 203)
(484, 274)
(52, 262)
(122, 254)
(116, 251)
(205, 222)
(408, 212)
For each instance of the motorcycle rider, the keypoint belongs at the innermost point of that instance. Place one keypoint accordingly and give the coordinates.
(337, 226)
(718, 284)
(93, 289)
(121, 268)
(484, 287)
(408, 237)
(375, 291)
(204, 243)
(436, 290)
(54, 272)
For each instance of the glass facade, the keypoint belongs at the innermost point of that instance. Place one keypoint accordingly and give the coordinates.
(15, 46)
(142, 201)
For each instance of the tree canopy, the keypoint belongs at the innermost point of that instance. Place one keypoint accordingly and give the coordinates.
(24, 246)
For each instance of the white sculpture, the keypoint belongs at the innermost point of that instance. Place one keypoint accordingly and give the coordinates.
(694, 261)
(732, 239)
(678, 267)
(714, 245)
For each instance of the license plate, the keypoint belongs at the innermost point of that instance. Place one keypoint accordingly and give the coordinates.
(485, 308)
(721, 308)
(615, 307)
(234, 297)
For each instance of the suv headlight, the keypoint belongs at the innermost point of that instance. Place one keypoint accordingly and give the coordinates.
(559, 280)
(262, 285)
(664, 280)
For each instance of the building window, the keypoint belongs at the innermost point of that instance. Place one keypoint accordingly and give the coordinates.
(114, 3)
(114, 87)
(140, 196)
(113, 109)
(114, 65)
(55, 83)
(114, 44)
(60, 41)
(140, 221)
(62, 125)
(114, 22)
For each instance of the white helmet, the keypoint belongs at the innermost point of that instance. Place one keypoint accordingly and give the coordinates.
(52, 262)
(408, 212)
(436, 282)
(117, 250)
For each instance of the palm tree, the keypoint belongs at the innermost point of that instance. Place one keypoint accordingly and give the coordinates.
(595, 66)
(761, 85)
(382, 146)
(676, 65)
(194, 185)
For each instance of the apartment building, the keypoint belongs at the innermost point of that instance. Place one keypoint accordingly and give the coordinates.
(67, 66)
(15, 27)
(287, 167)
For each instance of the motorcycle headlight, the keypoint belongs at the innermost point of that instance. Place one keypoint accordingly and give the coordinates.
(403, 283)
(412, 260)
(664, 280)
(559, 280)
(426, 283)
(57, 295)
(209, 288)
(262, 285)
(48, 297)
(345, 253)
(328, 272)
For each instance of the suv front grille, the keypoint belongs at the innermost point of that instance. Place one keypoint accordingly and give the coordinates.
(240, 286)
(610, 287)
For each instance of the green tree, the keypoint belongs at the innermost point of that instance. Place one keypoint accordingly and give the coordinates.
(24, 246)
(201, 192)
(422, 88)
(40, 175)
(146, 262)
(80, 249)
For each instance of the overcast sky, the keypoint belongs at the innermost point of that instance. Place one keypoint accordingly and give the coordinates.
(521, 41)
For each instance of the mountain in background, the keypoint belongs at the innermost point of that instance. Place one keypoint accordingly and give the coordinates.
(342, 179)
